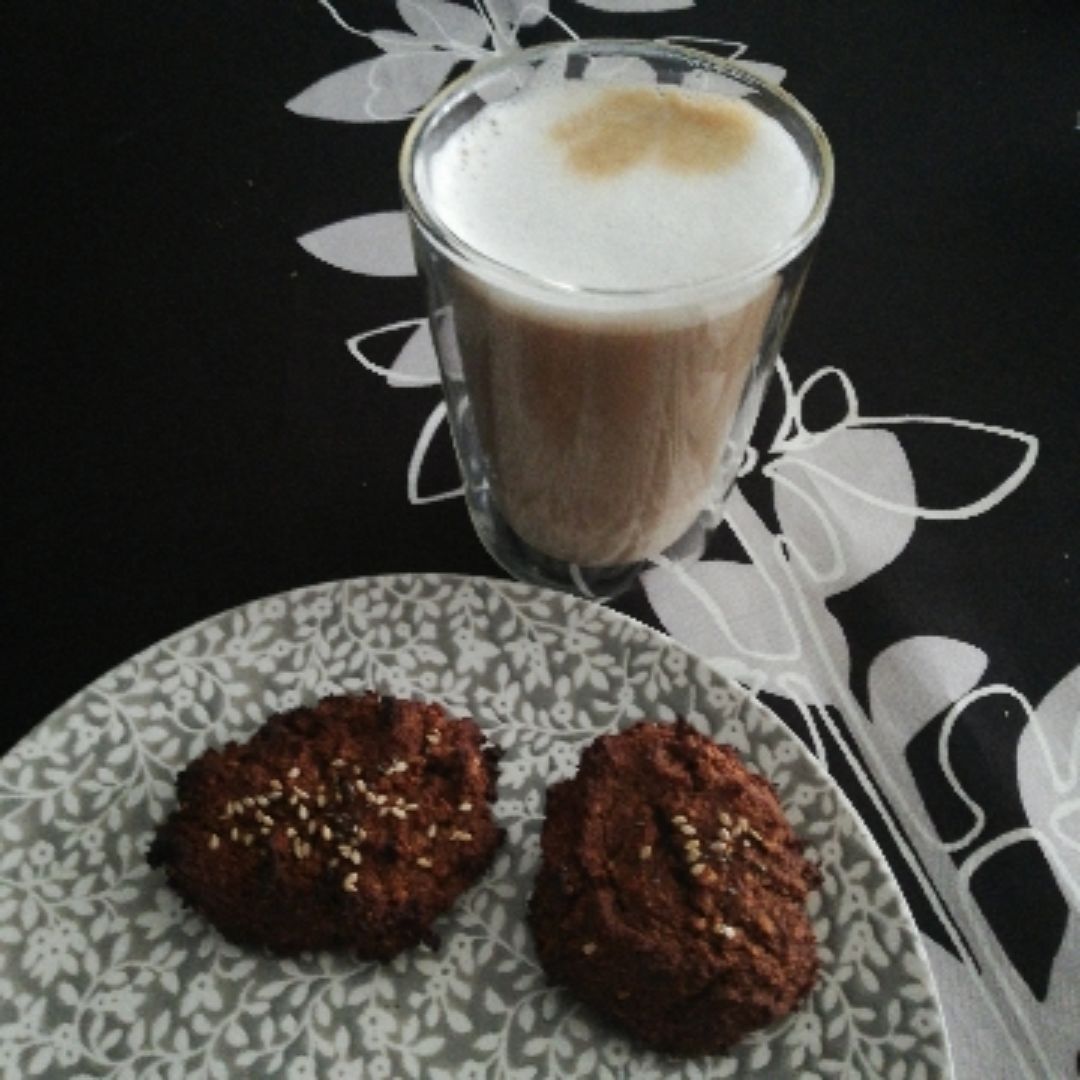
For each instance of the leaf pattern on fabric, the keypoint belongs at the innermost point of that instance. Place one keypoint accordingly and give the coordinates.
(375, 244)
(743, 616)
(637, 7)
(442, 23)
(416, 363)
(387, 88)
(910, 684)
(1048, 767)
(840, 536)
(846, 500)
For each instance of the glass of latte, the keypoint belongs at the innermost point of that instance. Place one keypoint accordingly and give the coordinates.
(612, 237)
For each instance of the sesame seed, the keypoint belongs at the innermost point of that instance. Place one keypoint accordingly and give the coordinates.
(433, 737)
(724, 834)
(349, 884)
(678, 819)
(432, 831)
(298, 848)
(247, 839)
(645, 852)
(411, 807)
(746, 843)
(275, 784)
(697, 869)
(262, 801)
(725, 818)
(398, 812)
(214, 842)
(383, 811)
(424, 862)
(276, 794)
(379, 800)
(290, 831)
(344, 850)
(338, 763)
(312, 827)
(360, 786)
(465, 807)
(293, 773)
(718, 846)
(332, 863)
(266, 830)
(326, 833)
(729, 932)
(234, 833)
(688, 830)
(461, 835)
(589, 948)
(294, 799)
(248, 801)
(302, 812)
(399, 801)
(302, 792)
(355, 857)
(360, 833)
(320, 799)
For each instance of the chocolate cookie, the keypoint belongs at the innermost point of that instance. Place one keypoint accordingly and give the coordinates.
(350, 825)
(671, 894)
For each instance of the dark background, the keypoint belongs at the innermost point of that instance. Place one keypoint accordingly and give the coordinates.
(184, 429)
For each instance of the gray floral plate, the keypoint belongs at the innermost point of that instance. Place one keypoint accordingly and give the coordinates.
(103, 974)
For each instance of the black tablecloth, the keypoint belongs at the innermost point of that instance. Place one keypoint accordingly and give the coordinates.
(203, 213)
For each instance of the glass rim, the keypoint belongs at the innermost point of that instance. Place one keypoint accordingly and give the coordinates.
(455, 247)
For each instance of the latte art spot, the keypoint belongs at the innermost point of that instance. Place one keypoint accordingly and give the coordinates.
(629, 127)
(631, 187)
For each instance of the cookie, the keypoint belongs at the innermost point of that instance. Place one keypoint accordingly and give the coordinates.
(351, 825)
(672, 891)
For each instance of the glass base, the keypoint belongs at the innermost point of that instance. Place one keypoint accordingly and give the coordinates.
(526, 563)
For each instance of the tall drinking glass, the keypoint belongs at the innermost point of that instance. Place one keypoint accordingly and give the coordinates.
(613, 236)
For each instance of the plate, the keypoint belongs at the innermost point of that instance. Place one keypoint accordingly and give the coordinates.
(102, 973)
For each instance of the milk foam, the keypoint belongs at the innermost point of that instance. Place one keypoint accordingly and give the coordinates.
(504, 183)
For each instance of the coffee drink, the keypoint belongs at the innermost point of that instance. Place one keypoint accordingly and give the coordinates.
(625, 249)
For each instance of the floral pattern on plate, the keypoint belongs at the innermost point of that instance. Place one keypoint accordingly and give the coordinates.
(103, 973)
